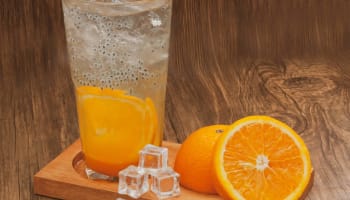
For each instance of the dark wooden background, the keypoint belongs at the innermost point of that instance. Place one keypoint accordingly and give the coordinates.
(229, 59)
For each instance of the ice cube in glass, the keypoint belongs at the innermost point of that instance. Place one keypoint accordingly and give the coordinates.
(153, 158)
(133, 181)
(165, 183)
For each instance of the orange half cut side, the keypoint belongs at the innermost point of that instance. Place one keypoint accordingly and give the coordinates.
(260, 157)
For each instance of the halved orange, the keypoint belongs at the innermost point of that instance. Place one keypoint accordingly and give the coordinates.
(259, 157)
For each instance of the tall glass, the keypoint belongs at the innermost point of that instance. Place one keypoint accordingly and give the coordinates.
(118, 53)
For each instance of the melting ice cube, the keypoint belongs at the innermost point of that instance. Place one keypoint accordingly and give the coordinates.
(165, 183)
(153, 158)
(133, 181)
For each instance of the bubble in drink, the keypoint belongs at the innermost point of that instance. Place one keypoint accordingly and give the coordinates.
(118, 46)
(165, 183)
(153, 158)
(133, 181)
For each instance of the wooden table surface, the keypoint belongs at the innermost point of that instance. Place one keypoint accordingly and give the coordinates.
(228, 59)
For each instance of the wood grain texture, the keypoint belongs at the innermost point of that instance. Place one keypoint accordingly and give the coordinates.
(65, 178)
(229, 58)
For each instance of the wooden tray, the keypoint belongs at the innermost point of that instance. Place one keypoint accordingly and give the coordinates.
(64, 178)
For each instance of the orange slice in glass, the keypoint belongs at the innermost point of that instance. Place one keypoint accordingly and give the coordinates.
(114, 127)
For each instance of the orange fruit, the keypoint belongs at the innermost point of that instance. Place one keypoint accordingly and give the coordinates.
(114, 126)
(259, 157)
(194, 159)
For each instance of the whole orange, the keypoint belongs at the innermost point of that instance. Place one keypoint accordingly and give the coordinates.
(194, 159)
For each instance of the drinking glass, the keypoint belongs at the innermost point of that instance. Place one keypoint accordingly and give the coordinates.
(118, 52)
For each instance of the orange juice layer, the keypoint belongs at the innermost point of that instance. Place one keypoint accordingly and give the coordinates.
(114, 127)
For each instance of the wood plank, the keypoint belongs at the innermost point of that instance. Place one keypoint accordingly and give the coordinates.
(64, 178)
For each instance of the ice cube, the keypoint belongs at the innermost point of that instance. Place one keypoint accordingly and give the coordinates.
(165, 183)
(153, 158)
(133, 181)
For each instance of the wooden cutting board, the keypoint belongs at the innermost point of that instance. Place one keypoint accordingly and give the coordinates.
(64, 178)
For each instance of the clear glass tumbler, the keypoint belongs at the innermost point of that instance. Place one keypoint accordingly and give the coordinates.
(118, 53)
